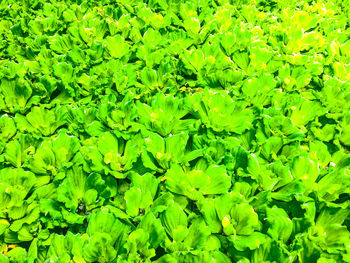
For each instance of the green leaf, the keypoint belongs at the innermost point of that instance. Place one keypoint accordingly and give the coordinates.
(345, 134)
(195, 183)
(174, 220)
(250, 242)
(117, 46)
(7, 128)
(192, 25)
(141, 194)
(243, 218)
(106, 223)
(306, 112)
(207, 208)
(153, 226)
(65, 248)
(280, 224)
(149, 78)
(64, 147)
(306, 170)
(152, 37)
(13, 153)
(99, 248)
(44, 160)
(16, 94)
(175, 146)
(42, 120)
(64, 72)
(17, 254)
(155, 145)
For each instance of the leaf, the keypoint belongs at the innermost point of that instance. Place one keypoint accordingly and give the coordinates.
(44, 160)
(64, 71)
(117, 46)
(15, 94)
(306, 112)
(250, 242)
(192, 25)
(329, 223)
(64, 147)
(174, 220)
(141, 194)
(106, 223)
(280, 224)
(152, 38)
(66, 247)
(149, 78)
(99, 247)
(153, 226)
(13, 153)
(194, 59)
(243, 219)
(43, 120)
(306, 170)
(195, 183)
(155, 145)
(175, 146)
(345, 135)
(7, 128)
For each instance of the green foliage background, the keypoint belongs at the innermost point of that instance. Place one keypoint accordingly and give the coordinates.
(174, 131)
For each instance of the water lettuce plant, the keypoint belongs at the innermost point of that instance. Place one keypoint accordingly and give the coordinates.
(174, 131)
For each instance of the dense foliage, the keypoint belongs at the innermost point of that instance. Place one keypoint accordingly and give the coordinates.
(174, 131)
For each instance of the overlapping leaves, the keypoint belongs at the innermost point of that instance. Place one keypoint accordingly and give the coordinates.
(174, 131)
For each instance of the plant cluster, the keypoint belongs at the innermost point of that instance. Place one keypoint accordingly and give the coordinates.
(174, 131)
